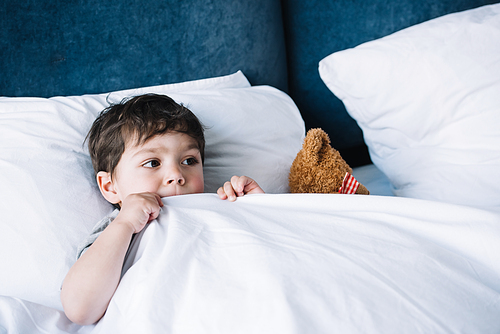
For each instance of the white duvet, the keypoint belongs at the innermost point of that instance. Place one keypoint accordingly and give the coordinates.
(305, 264)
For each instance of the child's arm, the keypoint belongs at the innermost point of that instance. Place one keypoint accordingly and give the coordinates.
(93, 279)
(237, 187)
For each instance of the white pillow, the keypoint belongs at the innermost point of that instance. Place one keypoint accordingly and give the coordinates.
(428, 101)
(49, 200)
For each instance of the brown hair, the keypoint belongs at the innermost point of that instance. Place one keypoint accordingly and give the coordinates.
(139, 118)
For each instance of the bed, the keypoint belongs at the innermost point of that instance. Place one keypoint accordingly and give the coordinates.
(408, 93)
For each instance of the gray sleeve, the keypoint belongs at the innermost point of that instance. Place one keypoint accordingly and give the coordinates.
(96, 232)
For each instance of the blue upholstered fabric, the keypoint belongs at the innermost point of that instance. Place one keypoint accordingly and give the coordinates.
(62, 47)
(317, 28)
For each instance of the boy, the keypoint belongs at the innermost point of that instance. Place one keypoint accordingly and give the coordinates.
(142, 149)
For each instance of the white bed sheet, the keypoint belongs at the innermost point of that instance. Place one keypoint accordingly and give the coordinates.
(22, 317)
(301, 264)
(311, 264)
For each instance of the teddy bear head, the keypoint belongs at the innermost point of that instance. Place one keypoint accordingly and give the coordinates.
(319, 168)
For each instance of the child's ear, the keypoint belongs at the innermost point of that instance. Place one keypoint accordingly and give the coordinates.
(106, 187)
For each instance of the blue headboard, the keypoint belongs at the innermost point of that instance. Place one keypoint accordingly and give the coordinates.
(61, 47)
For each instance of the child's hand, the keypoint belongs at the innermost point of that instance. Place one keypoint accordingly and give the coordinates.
(139, 209)
(237, 187)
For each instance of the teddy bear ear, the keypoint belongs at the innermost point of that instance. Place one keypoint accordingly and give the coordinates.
(315, 140)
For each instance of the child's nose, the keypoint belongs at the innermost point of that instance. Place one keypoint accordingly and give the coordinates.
(179, 181)
(175, 177)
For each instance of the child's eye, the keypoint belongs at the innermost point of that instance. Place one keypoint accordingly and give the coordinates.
(190, 161)
(152, 164)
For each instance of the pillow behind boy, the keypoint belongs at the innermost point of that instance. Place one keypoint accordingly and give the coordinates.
(49, 199)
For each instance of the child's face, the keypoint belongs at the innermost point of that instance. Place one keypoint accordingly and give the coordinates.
(168, 165)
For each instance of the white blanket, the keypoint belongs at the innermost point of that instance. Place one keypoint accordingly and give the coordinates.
(300, 264)
(311, 264)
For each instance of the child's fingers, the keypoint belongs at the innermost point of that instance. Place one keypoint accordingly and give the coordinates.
(155, 205)
(238, 186)
(229, 190)
(239, 183)
(221, 193)
(158, 198)
(152, 204)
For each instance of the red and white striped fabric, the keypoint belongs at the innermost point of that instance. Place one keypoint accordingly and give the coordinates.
(349, 185)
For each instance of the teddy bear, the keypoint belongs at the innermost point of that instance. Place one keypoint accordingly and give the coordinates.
(319, 168)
